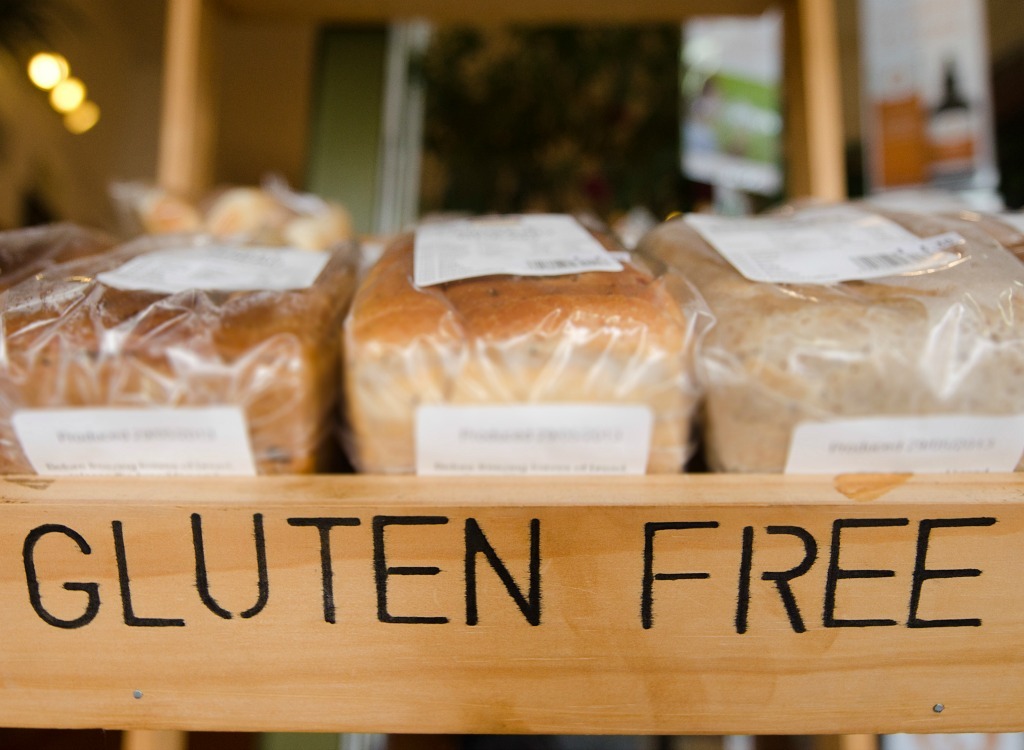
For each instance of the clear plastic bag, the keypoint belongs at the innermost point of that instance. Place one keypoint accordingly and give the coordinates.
(946, 342)
(69, 340)
(592, 338)
(271, 213)
(23, 252)
(1002, 228)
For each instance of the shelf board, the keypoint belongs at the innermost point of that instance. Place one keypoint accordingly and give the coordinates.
(480, 11)
(651, 605)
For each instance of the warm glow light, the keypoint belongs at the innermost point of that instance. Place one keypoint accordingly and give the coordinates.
(47, 69)
(67, 95)
(82, 118)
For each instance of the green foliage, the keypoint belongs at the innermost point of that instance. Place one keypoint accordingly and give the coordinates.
(553, 119)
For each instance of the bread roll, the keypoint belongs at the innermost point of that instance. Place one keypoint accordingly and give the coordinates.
(271, 214)
(598, 337)
(69, 340)
(947, 342)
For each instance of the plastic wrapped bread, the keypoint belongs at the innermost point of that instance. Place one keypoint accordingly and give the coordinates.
(594, 338)
(1006, 229)
(271, 214)
(946, 342)
(23, 252)
(72, 341)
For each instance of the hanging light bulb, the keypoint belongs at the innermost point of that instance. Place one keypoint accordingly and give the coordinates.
(67, 95)
(47, 69)
(82, 118)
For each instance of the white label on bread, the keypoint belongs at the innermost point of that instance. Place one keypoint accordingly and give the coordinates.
(218, 267)
(201, 441)
(528, 245)
(824, 246)
(920, 445)
(533, 439)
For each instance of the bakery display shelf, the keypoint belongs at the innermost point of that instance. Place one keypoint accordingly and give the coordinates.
(694, 604)
(685, 604)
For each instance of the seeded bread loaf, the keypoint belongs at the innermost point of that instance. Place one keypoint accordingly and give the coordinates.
(72, 341)
(946, 342)
(597, 337)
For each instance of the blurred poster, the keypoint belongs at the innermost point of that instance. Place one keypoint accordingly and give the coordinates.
(952, 742)
(731, 95)
(926, 99)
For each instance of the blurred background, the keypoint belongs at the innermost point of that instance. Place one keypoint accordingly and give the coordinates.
(401, 120)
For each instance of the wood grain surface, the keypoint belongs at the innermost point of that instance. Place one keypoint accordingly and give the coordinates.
(689, 604)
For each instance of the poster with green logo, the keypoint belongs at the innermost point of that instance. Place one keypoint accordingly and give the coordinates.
(732, 102)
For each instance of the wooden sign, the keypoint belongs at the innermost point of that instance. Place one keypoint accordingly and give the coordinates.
(690, 604)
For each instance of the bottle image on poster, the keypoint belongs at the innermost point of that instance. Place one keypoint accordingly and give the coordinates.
(952, 130)
(926, 104)
(894, 114)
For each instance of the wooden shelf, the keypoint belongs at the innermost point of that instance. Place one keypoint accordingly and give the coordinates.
(655, 605)
(486, 12)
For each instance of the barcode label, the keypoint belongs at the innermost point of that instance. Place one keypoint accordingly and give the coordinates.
(824, 246)
(221, 267)
(532, 245)
(562, 265)
(878, 262)
(902, 258)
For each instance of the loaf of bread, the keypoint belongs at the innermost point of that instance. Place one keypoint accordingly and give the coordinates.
(596, 338)
(23, 252)
(71, 341)
(940, 343)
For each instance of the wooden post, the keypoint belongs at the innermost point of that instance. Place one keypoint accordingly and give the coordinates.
(845, 742)
(186, 128)
(146, 739)
(858, 742)
(814, 102)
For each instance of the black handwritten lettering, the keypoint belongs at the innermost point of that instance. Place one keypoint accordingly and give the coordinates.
(835, 573)
(202, 577)
(91, 590)
(382, 571)
(647, 591)
(781, 578)
(743, 588)
(476, 543)
(130, 618)
(324, 526)
(922, 573)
